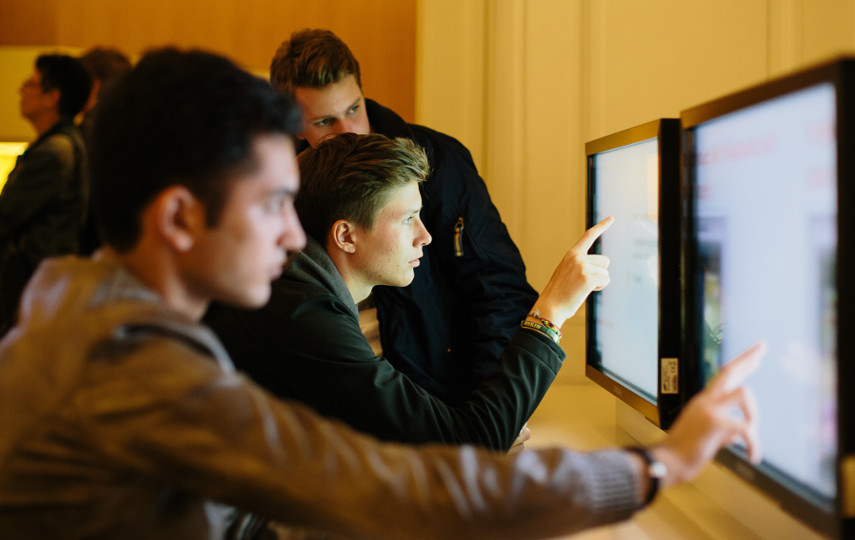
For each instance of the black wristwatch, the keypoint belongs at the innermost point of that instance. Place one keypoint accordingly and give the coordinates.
(656, 470)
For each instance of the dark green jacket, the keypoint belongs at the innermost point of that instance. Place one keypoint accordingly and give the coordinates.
(306, 344)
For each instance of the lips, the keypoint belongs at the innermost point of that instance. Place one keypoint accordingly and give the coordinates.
(276, 270)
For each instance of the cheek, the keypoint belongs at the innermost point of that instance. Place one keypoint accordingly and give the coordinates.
(268, 230)
(316, 134)
(403, 244)
(255, 232)
(364, 125)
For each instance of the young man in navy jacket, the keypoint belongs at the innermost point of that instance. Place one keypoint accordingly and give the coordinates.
(446, 330)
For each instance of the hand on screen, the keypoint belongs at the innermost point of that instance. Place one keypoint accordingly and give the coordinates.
(708, 422)
(578, 274)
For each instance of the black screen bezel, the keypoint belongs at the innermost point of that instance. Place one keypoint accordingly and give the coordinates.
(667, 406)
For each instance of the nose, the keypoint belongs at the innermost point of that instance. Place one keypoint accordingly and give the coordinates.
(424, 238)
(342, 126)
(293, 237)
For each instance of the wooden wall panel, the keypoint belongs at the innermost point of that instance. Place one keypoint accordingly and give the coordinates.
(381, 33)
(28, 22)
(452, 40)
(647, 60)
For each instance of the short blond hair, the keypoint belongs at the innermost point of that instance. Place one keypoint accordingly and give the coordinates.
(350, 176)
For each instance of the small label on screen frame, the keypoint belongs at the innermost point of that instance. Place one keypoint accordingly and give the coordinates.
(670, 376)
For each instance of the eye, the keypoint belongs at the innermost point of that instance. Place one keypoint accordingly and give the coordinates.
(275, 204)
(353, 110)
(323, 122)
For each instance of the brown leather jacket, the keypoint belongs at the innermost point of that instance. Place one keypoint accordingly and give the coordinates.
(120, 418)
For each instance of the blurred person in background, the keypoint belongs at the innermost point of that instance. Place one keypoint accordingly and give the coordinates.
(43, 203)
(105, 66)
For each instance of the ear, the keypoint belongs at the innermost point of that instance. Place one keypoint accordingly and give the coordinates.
(342, 236)
(93, 95)
(179, 217)
(52, 97)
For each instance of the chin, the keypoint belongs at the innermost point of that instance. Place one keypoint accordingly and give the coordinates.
(255, 300)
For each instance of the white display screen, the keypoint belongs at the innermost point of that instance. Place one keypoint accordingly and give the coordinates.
(626, 322)
(766, 215)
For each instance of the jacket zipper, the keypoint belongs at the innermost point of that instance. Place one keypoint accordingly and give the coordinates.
(458, 237)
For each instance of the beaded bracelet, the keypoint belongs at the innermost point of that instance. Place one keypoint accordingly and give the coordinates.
(546, 322)
(546, 331)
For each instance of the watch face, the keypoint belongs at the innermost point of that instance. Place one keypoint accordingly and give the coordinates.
(657, 469)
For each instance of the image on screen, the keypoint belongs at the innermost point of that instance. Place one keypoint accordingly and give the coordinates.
(627, 311)
(765, 230)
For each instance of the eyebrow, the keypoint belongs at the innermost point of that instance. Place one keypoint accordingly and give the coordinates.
(283, 191)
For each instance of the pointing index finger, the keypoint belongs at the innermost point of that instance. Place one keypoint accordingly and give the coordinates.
(740, 368)
(591, 235)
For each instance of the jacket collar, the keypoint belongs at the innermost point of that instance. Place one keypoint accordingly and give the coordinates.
(386, 121)
(63, 126)
(314, 264)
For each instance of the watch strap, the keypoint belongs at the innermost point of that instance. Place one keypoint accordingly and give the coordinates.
(655, 471)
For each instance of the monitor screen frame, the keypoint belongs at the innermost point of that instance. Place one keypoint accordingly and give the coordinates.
(836, 522)
(668, 404)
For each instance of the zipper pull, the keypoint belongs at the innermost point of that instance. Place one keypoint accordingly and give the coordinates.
(458, 237)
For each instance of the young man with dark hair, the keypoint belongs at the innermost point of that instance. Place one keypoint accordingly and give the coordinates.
(43, 203)
(446, 330)
(123, 417)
